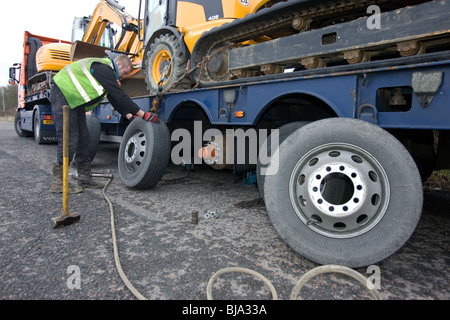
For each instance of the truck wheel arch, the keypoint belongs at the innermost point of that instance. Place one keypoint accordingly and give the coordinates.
(321, 106)
(197, 105)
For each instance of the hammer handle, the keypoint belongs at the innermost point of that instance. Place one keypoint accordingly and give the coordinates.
(66, 110)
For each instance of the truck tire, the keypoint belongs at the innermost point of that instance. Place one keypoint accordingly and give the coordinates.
(144, 154)
(18, 126)
(94, 128)
(283, 132)
(346, 192)
(37, 132)
(165, 52)
(42, 136)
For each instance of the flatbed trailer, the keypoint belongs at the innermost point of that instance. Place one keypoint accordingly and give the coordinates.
(342, 151)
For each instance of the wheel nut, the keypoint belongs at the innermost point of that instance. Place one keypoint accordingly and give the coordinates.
(194, 217)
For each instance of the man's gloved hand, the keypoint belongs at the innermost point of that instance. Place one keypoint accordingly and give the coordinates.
(150, 116)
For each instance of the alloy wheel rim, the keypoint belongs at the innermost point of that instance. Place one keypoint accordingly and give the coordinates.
(339, 190)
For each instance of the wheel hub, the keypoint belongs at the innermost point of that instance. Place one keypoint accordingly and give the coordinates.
(162, 67)
(339, 190)
(130, 150)
(135, 151)
(333, 176)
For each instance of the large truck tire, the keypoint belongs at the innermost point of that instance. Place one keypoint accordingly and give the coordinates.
(41, 135)
(346, 192)
(94, 128)
(144, 153)
(18, 126)
(37, 132)
(283, 132)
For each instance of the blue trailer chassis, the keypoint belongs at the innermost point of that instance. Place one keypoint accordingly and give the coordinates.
(357, 92)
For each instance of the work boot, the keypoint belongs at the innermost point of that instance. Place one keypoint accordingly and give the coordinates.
(57, 184)
(84, 179)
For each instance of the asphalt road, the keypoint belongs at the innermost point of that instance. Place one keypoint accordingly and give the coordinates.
(163, 254)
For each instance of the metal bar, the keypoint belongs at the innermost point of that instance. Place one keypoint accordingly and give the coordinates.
(66, 110)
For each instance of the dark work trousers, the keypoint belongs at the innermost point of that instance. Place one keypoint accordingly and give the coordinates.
(78, 130)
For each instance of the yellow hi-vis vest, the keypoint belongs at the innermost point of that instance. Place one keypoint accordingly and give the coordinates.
(77, 83)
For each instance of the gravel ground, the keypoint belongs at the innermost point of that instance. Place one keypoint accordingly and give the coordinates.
(164, 255)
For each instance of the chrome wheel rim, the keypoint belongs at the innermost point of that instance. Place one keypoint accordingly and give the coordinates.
(135, 151)
(339, 190)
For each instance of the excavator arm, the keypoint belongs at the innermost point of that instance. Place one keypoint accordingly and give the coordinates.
(110, 12)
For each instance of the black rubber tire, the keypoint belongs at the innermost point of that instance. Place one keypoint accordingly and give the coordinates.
(144, 154)
(170, 44)
(390, 195)
(283, 132)
(18, 128)
(37, 132)
(94, 128)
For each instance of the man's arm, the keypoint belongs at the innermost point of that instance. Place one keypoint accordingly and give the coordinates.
(116, 96)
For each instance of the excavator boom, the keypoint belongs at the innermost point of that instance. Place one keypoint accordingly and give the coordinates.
(106, 13)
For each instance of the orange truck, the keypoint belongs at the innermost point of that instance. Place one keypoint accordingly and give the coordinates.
(34, 116)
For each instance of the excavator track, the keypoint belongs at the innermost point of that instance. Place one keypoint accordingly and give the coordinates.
(279, 22)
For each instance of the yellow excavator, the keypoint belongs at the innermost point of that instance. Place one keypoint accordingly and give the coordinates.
(189, 43)
(172, 29)
(161, 43)
(93, 35)
(182, 43)
(163, 40)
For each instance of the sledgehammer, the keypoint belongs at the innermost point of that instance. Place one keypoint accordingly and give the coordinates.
(66, 217)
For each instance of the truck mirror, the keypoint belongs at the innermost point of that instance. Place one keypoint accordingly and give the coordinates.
(12, 75)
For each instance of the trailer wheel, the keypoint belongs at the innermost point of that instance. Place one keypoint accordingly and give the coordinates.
(283, 132)
(144, 154)
(346, 192)
(94, 128)
(18, 126)
(167, 63)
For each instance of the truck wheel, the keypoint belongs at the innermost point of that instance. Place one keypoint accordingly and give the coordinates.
(94, 128)
(346, 192)
(167, 63)
(18, 126)
(144, 154)
(37, 128)
(283, 132)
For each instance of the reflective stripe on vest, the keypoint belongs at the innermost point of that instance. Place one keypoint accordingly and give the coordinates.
(92, 80)
(77, 83)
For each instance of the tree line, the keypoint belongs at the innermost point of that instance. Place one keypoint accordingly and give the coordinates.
(8, 100)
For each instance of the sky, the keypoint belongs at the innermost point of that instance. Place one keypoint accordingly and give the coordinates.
(49, 18)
